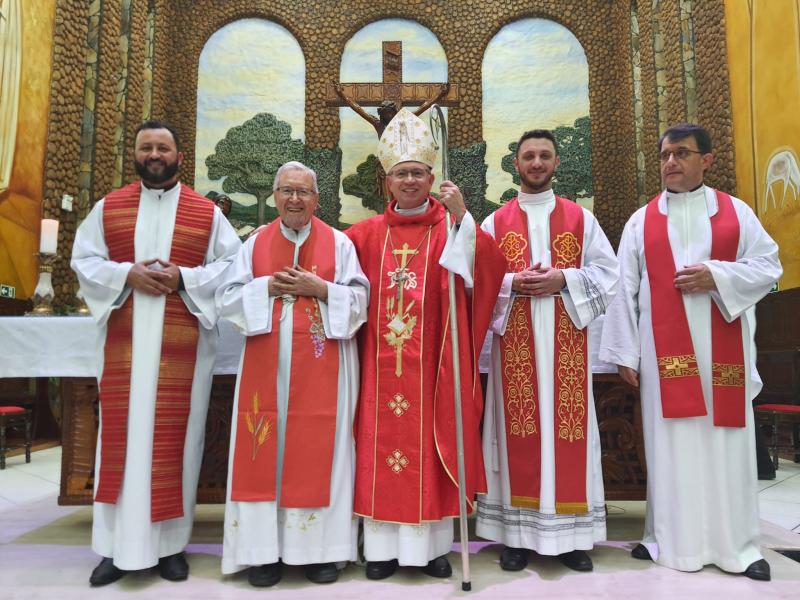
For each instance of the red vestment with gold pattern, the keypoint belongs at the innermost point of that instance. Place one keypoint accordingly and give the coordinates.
(406, 462)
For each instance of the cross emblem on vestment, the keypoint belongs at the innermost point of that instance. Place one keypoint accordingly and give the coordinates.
(401, 324)
(397, 461)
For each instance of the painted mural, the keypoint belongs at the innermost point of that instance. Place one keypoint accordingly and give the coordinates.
(535, 76)
(26, 30)
(250, 113)
(764, 35)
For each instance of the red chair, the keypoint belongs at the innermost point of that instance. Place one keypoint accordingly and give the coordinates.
(14, 417)
(775, 414)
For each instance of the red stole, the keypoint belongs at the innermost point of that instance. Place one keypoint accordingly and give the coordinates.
(678, 371)
(313, 386)
(518, 360)
(178, 354)
(405, 426)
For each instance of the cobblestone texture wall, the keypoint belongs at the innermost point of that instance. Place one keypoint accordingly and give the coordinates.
(464, 28)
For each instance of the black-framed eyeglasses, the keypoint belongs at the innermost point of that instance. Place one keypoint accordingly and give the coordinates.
(679, 154)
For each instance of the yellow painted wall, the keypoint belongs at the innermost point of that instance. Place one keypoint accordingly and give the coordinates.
(21, 203)
(764, 61)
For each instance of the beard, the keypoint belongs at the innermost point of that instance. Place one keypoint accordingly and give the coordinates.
(154, 179)
(536, 186)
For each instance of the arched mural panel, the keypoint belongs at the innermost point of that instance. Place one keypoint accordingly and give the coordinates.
(536, 76)
(250, 114)
(423, 60)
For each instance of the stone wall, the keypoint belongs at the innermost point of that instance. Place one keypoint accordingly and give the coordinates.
(180, 28)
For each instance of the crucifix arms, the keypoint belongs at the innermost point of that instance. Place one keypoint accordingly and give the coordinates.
(445, 87)
(374, 121)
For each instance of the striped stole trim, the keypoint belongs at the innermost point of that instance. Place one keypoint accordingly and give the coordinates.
(192, 229)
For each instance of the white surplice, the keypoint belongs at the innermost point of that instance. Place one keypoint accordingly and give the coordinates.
(258, 533)
(701, 479)
(124, 531)
(587, 293)
(416, 545)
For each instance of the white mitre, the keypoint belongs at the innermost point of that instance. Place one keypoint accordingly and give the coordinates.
(406, 138)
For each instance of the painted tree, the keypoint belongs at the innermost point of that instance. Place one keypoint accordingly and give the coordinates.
(363, 184)
(249, 156)
(573, 177)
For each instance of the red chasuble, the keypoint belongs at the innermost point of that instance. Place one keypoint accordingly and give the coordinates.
(178, 353)
(405, 427)
(313, 385)
(678, 371)
(570, 375)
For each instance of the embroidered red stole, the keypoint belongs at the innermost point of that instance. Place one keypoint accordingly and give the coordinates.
(678, 371)
(178, 353)
(518, 360)
(313, 386)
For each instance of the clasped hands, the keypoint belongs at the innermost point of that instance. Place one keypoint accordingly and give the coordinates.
(537, 280)
(297, 281)
(154, 277)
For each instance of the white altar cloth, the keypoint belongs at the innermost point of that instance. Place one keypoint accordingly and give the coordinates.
(65, 347)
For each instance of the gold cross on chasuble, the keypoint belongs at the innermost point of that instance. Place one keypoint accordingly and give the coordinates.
(401, 322)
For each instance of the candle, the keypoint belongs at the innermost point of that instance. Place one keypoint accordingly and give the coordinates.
(48, 242)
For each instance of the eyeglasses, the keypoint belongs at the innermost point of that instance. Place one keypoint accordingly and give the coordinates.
(679, 154)
(288, 192)
(415, 173)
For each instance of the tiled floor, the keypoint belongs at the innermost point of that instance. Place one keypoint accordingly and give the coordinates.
(45, 553)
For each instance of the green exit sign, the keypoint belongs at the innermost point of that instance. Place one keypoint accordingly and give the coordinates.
(7, 291)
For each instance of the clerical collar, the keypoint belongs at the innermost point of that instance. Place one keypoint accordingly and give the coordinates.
(539, 198)
(411, 212)
(298, 234)
(674, 193)
(158, 190)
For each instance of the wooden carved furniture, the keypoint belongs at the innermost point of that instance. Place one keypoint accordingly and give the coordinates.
(778, 345)
(14, 417)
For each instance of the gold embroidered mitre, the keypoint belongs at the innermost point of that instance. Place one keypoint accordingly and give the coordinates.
(406, 138)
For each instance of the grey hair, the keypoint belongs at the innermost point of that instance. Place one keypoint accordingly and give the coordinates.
(294, 165)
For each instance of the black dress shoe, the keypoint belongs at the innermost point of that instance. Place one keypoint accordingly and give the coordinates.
(322, 573)
(438, 567)
(105, 573)
(641, 552)
(758, 570)
(513, 559)
(173, 567)
(381, 569)
(577, 560)
(265, 575)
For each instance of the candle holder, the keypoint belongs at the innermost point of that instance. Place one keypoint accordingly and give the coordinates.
(44, 293)
(82, 310)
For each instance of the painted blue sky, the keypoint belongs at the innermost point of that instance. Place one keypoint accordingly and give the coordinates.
(535, 75)
(247, 67)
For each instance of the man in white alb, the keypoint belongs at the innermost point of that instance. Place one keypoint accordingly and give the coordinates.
(694, 262)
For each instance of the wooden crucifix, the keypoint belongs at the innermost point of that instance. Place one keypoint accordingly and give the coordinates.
(392, 93)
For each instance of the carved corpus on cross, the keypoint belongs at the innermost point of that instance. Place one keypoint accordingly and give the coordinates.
(392, 87)
(401, 323)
